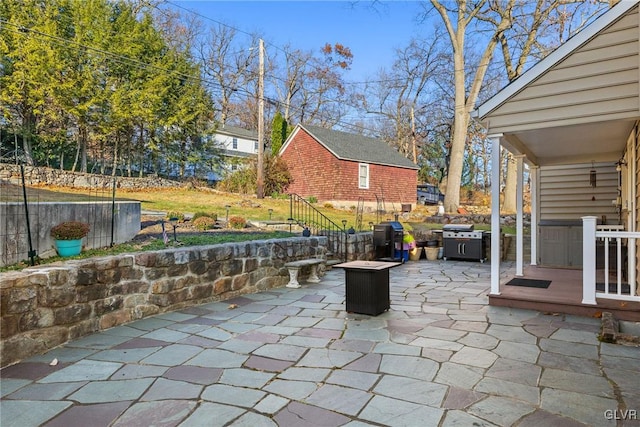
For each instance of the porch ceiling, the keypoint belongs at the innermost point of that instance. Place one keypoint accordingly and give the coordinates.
(597, 141)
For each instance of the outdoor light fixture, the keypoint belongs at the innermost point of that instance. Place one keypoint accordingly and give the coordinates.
(174, 223)
(270, 212)
(592, 176)
(371, 225)
(227, 207)
(291, 221)
(344, 223)
(619, 164)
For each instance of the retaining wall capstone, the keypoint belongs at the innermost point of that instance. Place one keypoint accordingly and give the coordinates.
(43, 307)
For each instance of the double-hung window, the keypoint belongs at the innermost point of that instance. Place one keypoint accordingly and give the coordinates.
(363, 175)
(235, 143)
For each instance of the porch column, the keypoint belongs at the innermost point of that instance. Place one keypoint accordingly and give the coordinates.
(519, 218)
(495, 213)
(589, 259)
(533, 176)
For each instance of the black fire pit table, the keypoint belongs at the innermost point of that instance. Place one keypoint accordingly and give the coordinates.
(367, 286)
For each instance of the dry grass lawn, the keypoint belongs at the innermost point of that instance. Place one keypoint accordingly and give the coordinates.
(188, 201)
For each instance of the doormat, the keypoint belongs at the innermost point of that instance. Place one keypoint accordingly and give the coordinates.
(613, 288)
(530, 283)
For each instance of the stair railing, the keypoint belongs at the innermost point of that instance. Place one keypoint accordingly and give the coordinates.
(305, 214)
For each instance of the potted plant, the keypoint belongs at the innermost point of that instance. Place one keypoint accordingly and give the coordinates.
(68, 237)
(408, 242)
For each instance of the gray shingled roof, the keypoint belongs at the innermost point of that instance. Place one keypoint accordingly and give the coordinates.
(238, 132)
(358, 148)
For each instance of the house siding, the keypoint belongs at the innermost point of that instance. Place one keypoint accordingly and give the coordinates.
(317, 172)
(600, 79)
(565, 192)
(636, 184)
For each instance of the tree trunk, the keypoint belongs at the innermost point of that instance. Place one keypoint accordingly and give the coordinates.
(115, 156)
(77, 157)
(83, 149)
(458, 140)
(141, 151)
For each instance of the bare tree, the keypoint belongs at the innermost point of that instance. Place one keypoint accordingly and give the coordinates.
(401, 97)
(323, 94)
(537, 29)
(296, 66)
(457, 21)
(519, 21)
(230, 65)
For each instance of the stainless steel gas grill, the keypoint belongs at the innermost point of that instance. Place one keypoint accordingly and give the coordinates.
(461, 241)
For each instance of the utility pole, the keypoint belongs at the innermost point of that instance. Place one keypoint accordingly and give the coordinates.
(413, 137)
(260, 180)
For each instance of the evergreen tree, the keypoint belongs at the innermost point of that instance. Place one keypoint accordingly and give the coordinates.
(279, 133)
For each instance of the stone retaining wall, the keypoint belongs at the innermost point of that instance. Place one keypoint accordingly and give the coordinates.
(43, 307)
(477, 219)
(35, 176)
(360, 246)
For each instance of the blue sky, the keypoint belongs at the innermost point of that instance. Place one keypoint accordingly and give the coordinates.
(372, 33)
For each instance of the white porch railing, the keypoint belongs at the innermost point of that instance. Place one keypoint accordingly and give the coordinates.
(590, 235)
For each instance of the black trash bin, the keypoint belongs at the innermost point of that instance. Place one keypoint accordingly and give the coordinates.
(386, 237)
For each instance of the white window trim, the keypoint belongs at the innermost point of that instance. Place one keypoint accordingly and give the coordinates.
(366, 185)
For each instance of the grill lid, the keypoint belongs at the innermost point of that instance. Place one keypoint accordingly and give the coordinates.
(394, 224)
(457, 227)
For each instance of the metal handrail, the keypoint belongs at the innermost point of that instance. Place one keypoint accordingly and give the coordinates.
(306, 215)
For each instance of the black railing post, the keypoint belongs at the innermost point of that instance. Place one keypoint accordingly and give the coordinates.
(113, 210)
(32, 253)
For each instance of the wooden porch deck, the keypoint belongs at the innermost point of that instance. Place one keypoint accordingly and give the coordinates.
(564, 295)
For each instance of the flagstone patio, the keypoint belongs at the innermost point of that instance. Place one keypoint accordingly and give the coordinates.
(293, 357)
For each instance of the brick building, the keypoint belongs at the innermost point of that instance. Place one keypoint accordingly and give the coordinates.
(343, 168)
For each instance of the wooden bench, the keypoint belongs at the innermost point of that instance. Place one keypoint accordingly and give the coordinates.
(295, 266)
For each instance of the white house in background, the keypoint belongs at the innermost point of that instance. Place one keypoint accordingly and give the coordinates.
(574, 120)
(237, 144)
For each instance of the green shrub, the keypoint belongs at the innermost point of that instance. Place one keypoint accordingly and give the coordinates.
(276, 177)
(175, 214)
(237, 222)
(197, 215)
(328, 205)
(204, 223)
(277, 195)
(312, 199)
